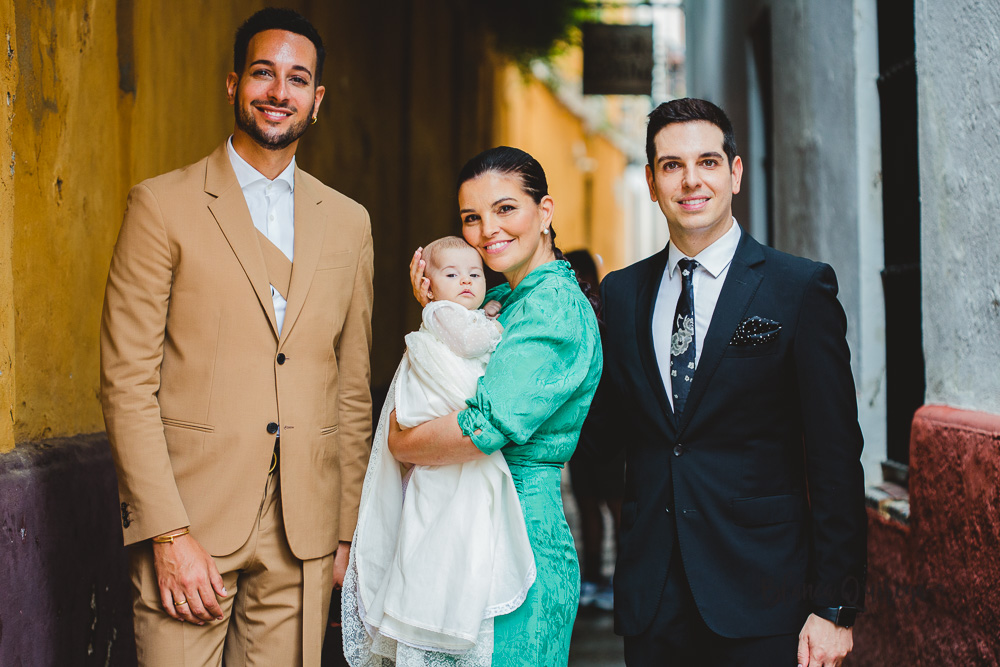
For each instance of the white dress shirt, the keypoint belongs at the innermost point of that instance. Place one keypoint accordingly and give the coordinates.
(708, 279)
(272, 209)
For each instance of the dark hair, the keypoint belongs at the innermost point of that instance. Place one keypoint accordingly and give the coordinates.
(586, 272)
(515, 162)
(687, 110)
(273, 18)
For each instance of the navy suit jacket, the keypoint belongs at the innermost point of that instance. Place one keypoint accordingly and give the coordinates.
(759, 479)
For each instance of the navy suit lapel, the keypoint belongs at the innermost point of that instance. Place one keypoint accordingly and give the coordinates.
(741, 284)
(645, 300)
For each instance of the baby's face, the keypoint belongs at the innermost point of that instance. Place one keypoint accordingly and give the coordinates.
(456, 274)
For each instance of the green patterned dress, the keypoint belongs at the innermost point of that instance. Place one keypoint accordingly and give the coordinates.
(531, 404)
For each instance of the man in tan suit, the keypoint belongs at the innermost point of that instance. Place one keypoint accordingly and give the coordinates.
(235, 347)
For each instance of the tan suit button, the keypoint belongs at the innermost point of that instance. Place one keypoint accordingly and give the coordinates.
(281, 358)
(272, 428)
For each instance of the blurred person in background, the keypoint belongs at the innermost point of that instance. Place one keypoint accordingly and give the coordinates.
(596, 481)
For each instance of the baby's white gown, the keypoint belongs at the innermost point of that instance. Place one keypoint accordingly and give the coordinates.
(436, 556)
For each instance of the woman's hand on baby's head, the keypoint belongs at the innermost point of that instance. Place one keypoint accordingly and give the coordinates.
(418, 281)
(492, 308)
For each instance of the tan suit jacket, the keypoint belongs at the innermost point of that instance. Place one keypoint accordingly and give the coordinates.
(193, 371)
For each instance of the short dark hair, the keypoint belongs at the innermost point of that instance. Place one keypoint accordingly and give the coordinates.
(273, 18)
(687, 110)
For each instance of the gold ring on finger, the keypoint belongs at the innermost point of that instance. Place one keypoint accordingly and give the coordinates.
(178, 604)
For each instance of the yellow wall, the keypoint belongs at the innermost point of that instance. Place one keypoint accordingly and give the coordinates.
(531, 117)
(8, 86)
(106, 93)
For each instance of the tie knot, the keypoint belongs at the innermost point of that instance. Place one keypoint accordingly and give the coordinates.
(687, 267)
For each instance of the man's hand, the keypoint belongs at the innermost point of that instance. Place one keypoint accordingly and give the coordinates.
(421, 285)
(340, 564)
(189, 580)
(823, 644)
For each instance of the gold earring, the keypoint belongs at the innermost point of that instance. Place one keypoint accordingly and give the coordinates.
(313, 121)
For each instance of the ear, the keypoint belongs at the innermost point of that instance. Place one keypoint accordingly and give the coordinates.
(650, 182)
(232, 82)
(737, 173)
(320, 92)
(547, 208)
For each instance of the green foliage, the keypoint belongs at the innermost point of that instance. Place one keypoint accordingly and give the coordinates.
(526, 30)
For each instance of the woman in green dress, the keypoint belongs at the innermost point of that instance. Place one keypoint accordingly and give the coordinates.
(536, 392)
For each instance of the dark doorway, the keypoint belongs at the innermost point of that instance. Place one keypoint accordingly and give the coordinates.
(904, 355)
(761, 118)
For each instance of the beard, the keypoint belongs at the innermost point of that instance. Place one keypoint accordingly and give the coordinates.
(264, 136)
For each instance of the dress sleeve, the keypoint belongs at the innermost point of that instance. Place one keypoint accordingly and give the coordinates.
(467, 333)
(543, 359)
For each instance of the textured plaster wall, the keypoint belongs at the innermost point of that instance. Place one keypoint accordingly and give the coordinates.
(959, 113)
(104, 94)
(8, 88)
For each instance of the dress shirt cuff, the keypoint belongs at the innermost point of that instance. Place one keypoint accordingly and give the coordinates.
(484, 435)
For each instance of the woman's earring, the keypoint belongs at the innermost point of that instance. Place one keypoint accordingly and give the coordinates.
(545, 231)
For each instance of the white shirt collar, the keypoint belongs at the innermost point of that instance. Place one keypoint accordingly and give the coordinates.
(247, 175)
(715, 257)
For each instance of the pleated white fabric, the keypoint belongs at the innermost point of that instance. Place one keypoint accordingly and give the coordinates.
(438, 553)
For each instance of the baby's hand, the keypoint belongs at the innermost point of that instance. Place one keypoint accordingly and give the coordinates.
(492, 309)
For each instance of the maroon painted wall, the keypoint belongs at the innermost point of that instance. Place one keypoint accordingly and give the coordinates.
(934, 585)
(64, 590)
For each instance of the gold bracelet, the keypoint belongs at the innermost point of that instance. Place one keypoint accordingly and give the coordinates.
(169, 539)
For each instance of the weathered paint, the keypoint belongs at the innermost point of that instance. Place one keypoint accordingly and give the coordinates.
(8, 90)
(932, 584)
(65, 597)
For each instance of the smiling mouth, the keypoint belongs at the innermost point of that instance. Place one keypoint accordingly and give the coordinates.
(496, 246)
(272, 113)
(694, 203)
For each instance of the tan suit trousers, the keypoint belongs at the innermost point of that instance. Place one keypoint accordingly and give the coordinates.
(275, 613)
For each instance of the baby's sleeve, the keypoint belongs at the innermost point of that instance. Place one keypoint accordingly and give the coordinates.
(467, 333)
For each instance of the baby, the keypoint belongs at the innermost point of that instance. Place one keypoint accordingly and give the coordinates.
(442, 550)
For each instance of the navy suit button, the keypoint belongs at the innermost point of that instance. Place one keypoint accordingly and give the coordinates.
(281, 358)
(678, 449)
(272, 428)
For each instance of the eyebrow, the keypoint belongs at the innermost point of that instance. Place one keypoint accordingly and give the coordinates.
(712, 154)
(502, 199)
(270, 64)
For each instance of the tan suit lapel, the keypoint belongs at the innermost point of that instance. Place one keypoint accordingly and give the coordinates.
(231, 212)
(309, 231)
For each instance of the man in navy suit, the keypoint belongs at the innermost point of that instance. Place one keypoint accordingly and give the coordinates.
(727, 378)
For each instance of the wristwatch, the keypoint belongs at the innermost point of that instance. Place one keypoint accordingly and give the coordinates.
(845, 617)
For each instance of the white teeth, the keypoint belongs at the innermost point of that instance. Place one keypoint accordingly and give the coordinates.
(498, 244)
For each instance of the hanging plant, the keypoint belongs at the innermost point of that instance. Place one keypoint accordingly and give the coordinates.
(526, 30)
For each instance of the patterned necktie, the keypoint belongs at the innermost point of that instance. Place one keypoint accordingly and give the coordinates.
(682, 343)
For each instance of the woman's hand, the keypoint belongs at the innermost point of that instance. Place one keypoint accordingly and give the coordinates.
(421, 285)
(394, 434)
